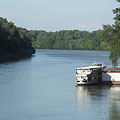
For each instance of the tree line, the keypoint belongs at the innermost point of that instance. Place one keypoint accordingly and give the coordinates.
(67, 39)
(14, 42)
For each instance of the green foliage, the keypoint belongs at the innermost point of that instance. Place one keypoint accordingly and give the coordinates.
(66, 39)
(111, 36)
(14, 42)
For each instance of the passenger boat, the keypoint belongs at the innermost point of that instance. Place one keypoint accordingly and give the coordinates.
(97, 74)
(89, 75)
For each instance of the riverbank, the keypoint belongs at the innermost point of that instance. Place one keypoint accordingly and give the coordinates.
(15, 43)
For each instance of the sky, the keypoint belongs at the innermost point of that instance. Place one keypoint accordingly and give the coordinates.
(55, 15)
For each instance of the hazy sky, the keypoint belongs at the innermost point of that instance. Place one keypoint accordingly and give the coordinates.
(54, 15)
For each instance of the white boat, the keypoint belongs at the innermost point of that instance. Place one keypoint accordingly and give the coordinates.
(89, 75)
(97, 74)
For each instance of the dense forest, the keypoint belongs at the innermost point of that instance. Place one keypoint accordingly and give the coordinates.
(68, 39)
(14, 42)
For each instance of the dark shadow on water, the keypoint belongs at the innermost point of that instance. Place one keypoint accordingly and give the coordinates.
(18, 60)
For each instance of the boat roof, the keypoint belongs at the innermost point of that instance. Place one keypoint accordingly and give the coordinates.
(95, 65)
(91, 67)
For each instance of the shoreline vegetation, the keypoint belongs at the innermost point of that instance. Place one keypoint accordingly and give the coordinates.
(68, 40)
(15, 44)
(18, 43)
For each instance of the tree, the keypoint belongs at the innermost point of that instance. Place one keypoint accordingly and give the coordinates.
(111, 35)
(117, 14)
(14, 42)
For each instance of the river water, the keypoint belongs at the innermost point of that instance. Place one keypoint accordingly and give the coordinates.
(43, 88)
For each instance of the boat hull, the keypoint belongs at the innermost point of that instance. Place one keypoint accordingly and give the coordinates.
(88, 83)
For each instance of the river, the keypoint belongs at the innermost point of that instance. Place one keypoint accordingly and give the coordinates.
(43, 88)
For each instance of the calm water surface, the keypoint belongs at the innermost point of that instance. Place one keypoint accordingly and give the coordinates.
(43, 88)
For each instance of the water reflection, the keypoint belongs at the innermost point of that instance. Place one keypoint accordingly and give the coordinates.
(104, 101)
(115, 103)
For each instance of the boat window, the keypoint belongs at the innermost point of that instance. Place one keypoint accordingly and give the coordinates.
(89, 78)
